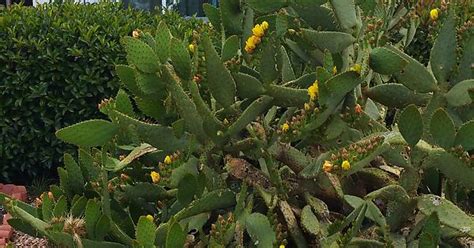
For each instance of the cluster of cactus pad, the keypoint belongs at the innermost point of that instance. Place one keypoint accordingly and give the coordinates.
(291, 145)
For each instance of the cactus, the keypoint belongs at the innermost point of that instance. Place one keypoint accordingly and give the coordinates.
(443, 54)
(396, 95)
(411, 125)
(136, 153)
(335, 42)
(267, 5)
(92, 213)
(248, 86)
(384, 61)
(141, 55)
(373, 212)
(415, 76)
(459, 94)
(399, 206)
(430, 235)
(230, 48)
(292, 223)
(309, 221)
(88, 133)
(220, 82)
(76, 179)
(448, 213)
(464, 136)
(451, 167)
(60, 207)
(345, 12)
(255, 109)
(260, 230)
(311, 110)
(442, 129)
(175, 237)
(231, 16)
(145, 231)
(206, 203)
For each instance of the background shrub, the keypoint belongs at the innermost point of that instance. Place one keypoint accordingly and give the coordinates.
(56, 64)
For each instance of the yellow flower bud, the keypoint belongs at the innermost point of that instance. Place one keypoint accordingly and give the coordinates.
(258, 31)
(327, 166)
(334, 70)
(251, 41)
(135, 34)
(285, 127)
(191, 48)
(255, 39)
(155, 177)
(346, 165)
(313, 90)
(307, 107)
(124, 177)
(281, 246)
(264, 25)
(150, 217)
(167, 160)
(358, 109)
(434, 14)
(249, 49)
(357, 68)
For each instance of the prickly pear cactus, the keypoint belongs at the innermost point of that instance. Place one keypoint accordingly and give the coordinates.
(287, 123)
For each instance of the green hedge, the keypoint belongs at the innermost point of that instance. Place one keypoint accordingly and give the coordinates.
(56, 64)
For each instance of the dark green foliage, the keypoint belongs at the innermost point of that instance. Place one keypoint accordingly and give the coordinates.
(57, 64)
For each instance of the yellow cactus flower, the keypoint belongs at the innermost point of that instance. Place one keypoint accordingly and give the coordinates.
(258, 30)
(327, 166)
(307, 107)
(191, 48)
(135, 34)
(249, 49)
(285, 127)
(155, 177)
(255, 40)
(357, 68)
(334, 70)
(346, 165)
(434, 14)
(168, 160)
(252, 43)
(264, 25)
(313, 90)
(150, 217)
